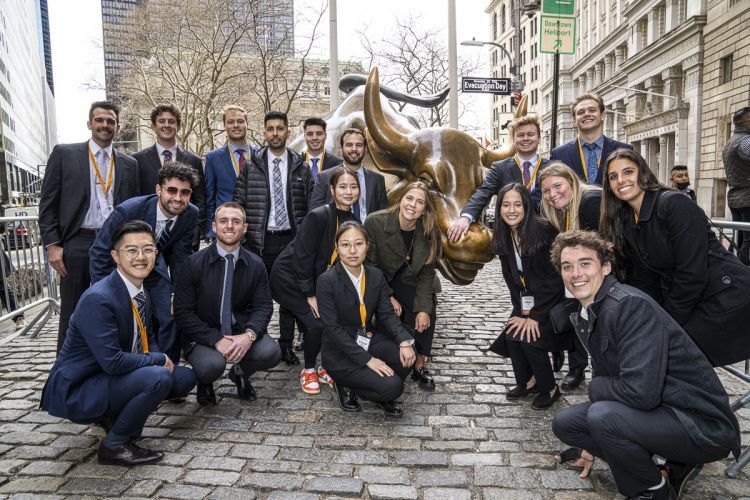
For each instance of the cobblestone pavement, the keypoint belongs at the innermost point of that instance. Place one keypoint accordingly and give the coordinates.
(462, 441)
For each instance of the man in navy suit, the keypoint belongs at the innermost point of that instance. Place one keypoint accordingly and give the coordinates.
(110, 370)
(174, 219)
(586, 152)
(316, 156)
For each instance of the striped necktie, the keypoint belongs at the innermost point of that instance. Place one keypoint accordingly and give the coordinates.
(314, 169)
(165, 235)
(140, 302)
(279, 216)
(167, 154)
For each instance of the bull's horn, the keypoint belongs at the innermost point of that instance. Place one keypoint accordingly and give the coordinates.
(384, 134)
(508, 150)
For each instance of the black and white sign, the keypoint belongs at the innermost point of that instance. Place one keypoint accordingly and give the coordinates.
(499, 86)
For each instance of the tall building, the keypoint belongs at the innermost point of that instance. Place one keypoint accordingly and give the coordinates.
(27, 107)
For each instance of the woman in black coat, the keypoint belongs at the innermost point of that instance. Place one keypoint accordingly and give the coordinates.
(311, 252)
(405, 244)
(522, 240)
(364, 359)
(671, 253)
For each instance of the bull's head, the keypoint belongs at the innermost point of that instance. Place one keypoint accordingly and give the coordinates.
(450, 162)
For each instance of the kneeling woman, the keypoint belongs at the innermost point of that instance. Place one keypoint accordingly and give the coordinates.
(311, 252)
(522, 240)
(366, 361)
(405, 245)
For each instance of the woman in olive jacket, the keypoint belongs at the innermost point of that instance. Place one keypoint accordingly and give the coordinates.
(405, 244)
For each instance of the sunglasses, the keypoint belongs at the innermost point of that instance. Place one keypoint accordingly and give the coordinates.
(172, 191)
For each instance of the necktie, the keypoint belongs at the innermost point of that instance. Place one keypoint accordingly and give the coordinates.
(167, 154)
(241, 163)
(526, 173)
(278, 196)
(103, 196)
(140, 302)
(314, 169)
(164, 236)
(226, 296)
(591, 167)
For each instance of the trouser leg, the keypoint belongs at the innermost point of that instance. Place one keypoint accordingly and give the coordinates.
(521, 367)
(72, 286)
(286, 327)
(579, 358)
(273, 245)
(264, 354)
(744, 245)
(422, 340)
(207, 362)
(160, 294)
(541, 367)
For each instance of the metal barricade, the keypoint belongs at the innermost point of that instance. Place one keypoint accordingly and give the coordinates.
(28, 286)
(727, 231)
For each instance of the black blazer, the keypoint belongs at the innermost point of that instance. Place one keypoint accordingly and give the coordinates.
(501, 173)
(66, 190)
(197, 298)
(377, 198)
(570, 155)
(338, 304)
(589, 210)
(148, 169)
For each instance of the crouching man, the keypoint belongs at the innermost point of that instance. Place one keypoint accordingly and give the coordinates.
(653, 391)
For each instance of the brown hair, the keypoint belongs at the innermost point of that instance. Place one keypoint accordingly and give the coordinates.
(590, 95)
(588, 239)
(351, 131)
(166, 108)
(558, 217)
(523, 121)
(429, 220)
(231, 204)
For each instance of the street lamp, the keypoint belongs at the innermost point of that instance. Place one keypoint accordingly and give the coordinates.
(476, 43)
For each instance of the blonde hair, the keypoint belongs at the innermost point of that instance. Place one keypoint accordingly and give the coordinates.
(429, 220)
(559, 217)
(525, 120)
(232, 107)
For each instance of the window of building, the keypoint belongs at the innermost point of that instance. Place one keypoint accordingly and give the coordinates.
(494, 26)
(725, 69)
(502, 18)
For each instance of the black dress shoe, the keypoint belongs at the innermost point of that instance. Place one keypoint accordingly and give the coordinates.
(558, 360)
(544, 400)
(390, 409)
(426, 383)
(347, 399)
(679, 474)
(573, 379)
(288, 356)
(205, 395)
(245, 389)
(128, 455)
(663, 493)
(520, 391)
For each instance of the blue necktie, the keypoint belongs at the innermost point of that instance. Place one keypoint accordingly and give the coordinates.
(164, 236)
(140, 302)
(591, 164)
(226, 296)
(314, 169)
(279, 215)
(167, 154)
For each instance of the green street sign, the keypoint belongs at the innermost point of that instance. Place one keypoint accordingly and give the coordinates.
(557, 35)
(558, 7)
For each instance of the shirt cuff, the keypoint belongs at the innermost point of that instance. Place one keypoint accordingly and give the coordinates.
(471, 219)
(166, 360)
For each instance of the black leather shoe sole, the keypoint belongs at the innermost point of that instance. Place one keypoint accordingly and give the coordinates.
(245, 389)
(346, 401)
(205, 395)
(572, 380)
(288, 356)
(520, 391)
(127, 456)
(544, 401)
(391, 410)
(426, 383)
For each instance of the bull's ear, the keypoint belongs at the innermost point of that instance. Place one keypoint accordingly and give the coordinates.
(488, 157)
(387, 163)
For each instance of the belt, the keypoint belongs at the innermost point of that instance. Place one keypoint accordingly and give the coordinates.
(278, 232)
(87, 232)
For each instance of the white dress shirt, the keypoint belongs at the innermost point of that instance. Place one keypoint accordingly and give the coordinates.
(284, 168)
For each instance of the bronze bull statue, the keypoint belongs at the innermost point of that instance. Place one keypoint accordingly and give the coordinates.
(451, 162)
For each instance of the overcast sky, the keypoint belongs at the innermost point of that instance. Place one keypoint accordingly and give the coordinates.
(79, 69)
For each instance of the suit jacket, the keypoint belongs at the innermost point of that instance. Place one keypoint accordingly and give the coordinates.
(338, 304)
(220, 180)
(149, 165)
(570, 155)
(175, 252)
(501, 173)
(66, 190)
(197, 298)
(377, 198)
(330, 160)
(97, 347)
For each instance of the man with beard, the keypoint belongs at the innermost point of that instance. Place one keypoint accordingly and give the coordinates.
(274, 189)
(173, 218)
(316, 156)
(82, 184)
(372, 195)
(222, 306)
(586, 152)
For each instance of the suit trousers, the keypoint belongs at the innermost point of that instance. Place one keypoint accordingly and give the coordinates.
(160, 293)
(77, 281)
(579, 358)
(135, 395)
(209, 364)
(528, 360)
(367, 384)
(273, 245)
(742, 239)
(626, 439)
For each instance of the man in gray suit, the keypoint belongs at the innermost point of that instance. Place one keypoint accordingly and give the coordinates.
(82, 184)
(372, 195)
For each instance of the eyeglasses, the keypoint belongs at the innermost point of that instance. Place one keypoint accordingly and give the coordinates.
(132, 252)
(172, 191)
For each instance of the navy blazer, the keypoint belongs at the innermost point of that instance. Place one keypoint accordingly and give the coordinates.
(177, 250)
(570, 155)
(97, 347)
(220, 179)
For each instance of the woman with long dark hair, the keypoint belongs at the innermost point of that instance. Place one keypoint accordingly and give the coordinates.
(668, 249)
(405, 244)
(311, 252)
(522, 240)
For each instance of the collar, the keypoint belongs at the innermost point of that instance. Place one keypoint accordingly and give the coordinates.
(607, 286)
(132, 290)
(272, 156)
(313, 157)
(160, 217)
(160, 150)
(245, 148)
(647, 207)
(223, 253)
(599, 142)
(95, 148)
(355, 279)
(213, 254)
(531, 160)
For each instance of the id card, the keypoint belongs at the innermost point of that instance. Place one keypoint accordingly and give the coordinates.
(527, 303)
(364, 338)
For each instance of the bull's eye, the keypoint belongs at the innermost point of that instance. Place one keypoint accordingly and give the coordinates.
(427, 180)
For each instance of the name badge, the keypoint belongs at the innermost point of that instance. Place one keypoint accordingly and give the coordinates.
(364, 338)
(527, 303)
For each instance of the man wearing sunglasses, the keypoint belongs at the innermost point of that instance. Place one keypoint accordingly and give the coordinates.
(173, 218)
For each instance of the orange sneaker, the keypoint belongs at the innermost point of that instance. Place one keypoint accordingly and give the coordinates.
(309, 382)
(323, 377)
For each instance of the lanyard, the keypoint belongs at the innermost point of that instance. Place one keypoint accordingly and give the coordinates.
(362, 308)
(533, 172)
(636, 216)
(105, 188)
(520, 271)
(320, 163)
(335, 254)
(141, 328)
(567, 220)
(583, 161)
(234, 160)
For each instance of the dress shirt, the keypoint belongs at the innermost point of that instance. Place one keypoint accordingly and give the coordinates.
(362, 193)
(533, 161)
(223, 254)
(99, 208)
(132, 291)
(356, 280)
(284, 168)
(245, 152)
(160, 150)
(161, 221)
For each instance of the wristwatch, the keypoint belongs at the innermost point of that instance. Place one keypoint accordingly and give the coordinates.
(251, 334)
(411, 343)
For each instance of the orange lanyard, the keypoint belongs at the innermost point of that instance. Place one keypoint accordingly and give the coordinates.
(362, 308)
(110, 174)
(533, 172)
(567, 220)
(583, 161)
(234, 160)
(320, 163)
(636, 216)
(141, 328)
(335, 254)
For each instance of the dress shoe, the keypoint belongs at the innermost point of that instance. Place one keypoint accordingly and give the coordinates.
(176, 401)
(347, 399)
(663, 493)
(679, 474)
(520, 391)
(128, 455)
(105, 424)
(558, 360)
(288, 356)
(426, 383)
(205, 394)
(245, 389)
(300, 345)
(390, 409)
(543, 400)
(573, 379)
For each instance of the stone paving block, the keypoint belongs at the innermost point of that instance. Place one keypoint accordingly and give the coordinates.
(271, 481)
(285, 495)
(32, 485)
(533, 460)
(425, 458)
(470, 459)
(68, 442)
(384, 475)
(391, 492)
(307, 455)
(463, 433)
(162, 472)
(183, 491)
(216, 463)
(442, 477)
(27, 438)
(563, 480)
(77, 455)
(289, 441)
(326, 469)
(336, 485)
(207, 477)
(349, 443)
(145, 488)
(413, 431)
(161, 444)
(201, 448)
(63, 428)
(95, 487)
(254, 451)
(450, 445)
(508, 494)
(471, 410)
(397, 443)
(273, 466)
(46, 468)
(446, 494)
(94, 469)
(225, 493)
(363, 457)
(449, 421)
